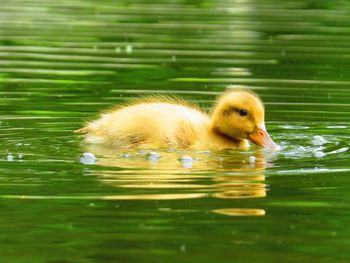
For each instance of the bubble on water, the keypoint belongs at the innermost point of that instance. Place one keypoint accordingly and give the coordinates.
(300, 151)
(129, 49)
(126, 156)
(283, 52)
(319, 154)
(183, 248)
(186, 158)
(252, 159)
(187, 165)
(318, 140)
(10, 157)
(153, 156)
(88, 158)
(186, 161)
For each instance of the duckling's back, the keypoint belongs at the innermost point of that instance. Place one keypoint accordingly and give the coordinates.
(147, 125)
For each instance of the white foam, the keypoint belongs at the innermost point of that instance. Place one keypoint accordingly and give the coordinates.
(319, 154)
(344, 149)
(318, 140)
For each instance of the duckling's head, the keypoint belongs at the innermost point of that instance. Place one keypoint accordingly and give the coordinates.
(240, 114)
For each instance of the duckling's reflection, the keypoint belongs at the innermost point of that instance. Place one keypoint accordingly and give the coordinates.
(228, 175)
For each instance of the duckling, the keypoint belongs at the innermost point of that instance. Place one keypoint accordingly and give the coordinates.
(238, 116)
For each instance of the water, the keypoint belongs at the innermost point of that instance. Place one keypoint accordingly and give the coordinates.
(63, 62)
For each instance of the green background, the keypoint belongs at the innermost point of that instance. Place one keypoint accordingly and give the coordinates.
(63, 62)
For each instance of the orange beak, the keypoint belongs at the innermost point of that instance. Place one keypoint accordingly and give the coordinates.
(260, 137)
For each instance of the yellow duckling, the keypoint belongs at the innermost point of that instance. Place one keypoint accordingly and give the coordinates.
(237, 116)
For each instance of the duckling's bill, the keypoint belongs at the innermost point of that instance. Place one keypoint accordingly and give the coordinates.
(261, 137)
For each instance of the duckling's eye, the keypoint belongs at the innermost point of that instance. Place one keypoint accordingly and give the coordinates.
(243, 113)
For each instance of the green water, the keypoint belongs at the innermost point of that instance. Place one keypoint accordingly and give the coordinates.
(62, 62)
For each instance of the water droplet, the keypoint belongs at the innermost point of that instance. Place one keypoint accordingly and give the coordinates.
(126, 156)
(283, 52)
(88, 158)
(186, 158)
(252, 159)
(186, 161)
(183, 248)
(129, 49)
(10, 157)
(153, 156)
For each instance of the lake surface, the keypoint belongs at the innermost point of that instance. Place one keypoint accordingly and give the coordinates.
(63, 62)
